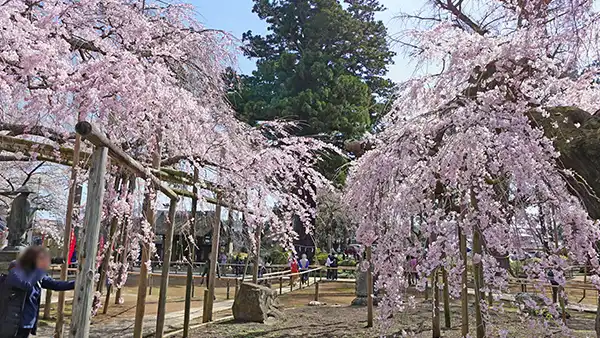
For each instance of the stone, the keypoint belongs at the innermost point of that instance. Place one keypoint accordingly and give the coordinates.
(316, 303)
(255, 303)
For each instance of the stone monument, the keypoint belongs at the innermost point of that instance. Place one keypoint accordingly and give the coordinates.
(361, 288)
(18, 223)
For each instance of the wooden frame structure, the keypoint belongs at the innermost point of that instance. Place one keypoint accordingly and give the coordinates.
(29, 150)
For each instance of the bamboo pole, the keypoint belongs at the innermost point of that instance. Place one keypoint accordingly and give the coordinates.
(189, 284)
(82, 302)
(164, 281)
(213, 261)
(464, 295)
(447, 322)
(58, 329)
(369, 289)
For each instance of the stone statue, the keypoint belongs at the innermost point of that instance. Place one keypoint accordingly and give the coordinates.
(19, 218)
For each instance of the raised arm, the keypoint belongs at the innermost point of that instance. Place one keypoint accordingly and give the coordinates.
(57, 285)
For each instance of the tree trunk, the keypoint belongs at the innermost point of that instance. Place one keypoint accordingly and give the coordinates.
(477, 273)
(435, 293)
(464, 295)
(446, 299)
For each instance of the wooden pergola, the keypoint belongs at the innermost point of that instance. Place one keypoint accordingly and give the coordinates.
(29, 150)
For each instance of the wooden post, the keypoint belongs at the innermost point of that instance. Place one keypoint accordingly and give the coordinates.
(237, 286)
(228, 289)
(435, 293)
(205, 315)
(256, 255)
(563, 307)
(71, 202)
(213, 259)
(47, 303)
(48, 300)
(84, 288)
(464, 295)
(280, 285)
(164, 280)
(446, 299)
(191, 251)
(369, 289)
(477, 273)
(140, 308)
(316, 292)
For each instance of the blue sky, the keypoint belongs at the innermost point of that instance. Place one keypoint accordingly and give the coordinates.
(236, 17)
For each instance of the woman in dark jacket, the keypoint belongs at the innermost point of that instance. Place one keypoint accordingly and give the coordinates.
(23, 289)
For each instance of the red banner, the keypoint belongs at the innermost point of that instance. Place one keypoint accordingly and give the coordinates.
(71, 246)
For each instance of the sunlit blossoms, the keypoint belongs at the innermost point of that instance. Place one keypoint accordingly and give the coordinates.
(150, 76)
(461, 152)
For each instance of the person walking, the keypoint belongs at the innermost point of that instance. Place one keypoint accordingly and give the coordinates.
(413, 271)
(206, 272)
(21, 290)
(334, 265)
(293, 269)
(303, 264)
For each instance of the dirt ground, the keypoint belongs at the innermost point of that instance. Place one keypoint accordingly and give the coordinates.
(339, 319)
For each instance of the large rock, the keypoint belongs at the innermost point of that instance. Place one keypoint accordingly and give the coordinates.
(255, 303)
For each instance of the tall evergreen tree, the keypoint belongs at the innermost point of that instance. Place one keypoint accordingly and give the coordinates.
(323, 64)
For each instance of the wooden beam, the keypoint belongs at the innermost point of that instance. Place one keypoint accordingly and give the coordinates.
(84, 287)
(66, 156)
(97, 138)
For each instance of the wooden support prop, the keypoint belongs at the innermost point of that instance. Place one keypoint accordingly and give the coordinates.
(435, 293)
(191, 251)
(214, 259)
(228, 289)
(48, 300)
(237, 286)
(369, 289)
(164, 280)
(464, 294)
(280, 285)
(140, 308)
(71, 202)
(316, 292)
(255, 267)
(447, 322)
(84, 287)
(205, 315)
